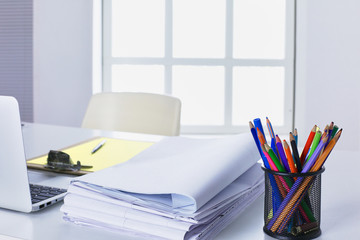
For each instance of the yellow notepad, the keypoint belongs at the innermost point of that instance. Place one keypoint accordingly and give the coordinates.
(114, 151)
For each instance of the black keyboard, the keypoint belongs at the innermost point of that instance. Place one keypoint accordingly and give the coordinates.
(40, 193)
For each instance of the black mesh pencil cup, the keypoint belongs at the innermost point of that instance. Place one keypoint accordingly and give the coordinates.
(292, 205)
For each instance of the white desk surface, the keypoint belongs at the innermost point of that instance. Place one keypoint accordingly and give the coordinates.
(340, 218)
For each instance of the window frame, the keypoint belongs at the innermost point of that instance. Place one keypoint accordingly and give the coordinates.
(228, 62)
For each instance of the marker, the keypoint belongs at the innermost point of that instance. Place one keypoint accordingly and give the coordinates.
(98, 146)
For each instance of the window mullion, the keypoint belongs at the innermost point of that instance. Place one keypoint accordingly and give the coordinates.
(228, 63)
(107, 45)
(168, 46)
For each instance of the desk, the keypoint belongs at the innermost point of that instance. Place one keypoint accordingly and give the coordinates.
(340, 200)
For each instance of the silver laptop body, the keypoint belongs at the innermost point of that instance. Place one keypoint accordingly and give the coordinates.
(14, 183)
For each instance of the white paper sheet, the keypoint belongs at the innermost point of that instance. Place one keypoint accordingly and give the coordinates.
(249, 179)
(108, 219)
(184, 172)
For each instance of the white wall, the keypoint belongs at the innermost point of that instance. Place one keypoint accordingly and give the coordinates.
(62, 60)
(328, 72)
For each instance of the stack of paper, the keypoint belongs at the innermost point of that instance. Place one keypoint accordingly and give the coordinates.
(179, 188)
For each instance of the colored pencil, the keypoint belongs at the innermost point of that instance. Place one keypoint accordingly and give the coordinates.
(260, 136)
(258, 124)
(290, 194)
(320, 162)
(314, 144)
(289, 157)
(315, 155)
(334, 131)
(270, 128)
(295, 152)
(282, 155)
(326, 130)
(296, 136)
(274, 158)
(331, 127)
(257, 142)
(275, 185)
(287, 184)
(307, 145)
(270, 161)
(298, 190)
(272, 135)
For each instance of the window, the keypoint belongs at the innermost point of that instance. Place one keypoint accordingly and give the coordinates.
(229, 61)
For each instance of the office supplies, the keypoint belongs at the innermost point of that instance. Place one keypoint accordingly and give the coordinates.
(282, 155)
(169, 190)
(257, 123)
(270, 161)
(300, 191)
(315, 155)
(272, 135)
(334, 131)
(307, 145)
(314, 144)
(61, 161)
(16, 191)
(289, 157)
(300, 186)
(248, 225)
(296, 136)
(257, 142)
(295, 152)
(331, 127)
(117, 151)
(274, 158)
(260, 136)
(97, 147)
(285, 183)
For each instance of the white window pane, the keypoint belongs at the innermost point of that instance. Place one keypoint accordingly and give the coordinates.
(199, 28)
(201, 90)
(138, 78)
(258, 92)
(259, 29)
(138, 28)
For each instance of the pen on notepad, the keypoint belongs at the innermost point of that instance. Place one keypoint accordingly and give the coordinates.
(98, 146)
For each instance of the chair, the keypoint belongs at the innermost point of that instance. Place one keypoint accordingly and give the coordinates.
(134, 112)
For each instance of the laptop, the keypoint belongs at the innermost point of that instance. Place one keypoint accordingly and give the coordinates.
(16, 191)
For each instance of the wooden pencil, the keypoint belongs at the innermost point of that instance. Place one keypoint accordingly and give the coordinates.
(295, 152)
(282, 154)
(261, 137)
(289, 157)
(296, 136)
(320, 162)
(307, 145)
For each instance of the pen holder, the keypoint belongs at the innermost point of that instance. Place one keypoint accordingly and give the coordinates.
(292, 204)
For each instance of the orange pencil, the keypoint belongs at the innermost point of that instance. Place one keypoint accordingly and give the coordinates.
(261, 137)
(289, 157)
(307, 145)
(320, 161)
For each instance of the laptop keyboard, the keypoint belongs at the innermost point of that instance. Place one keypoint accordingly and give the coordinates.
(40, 193)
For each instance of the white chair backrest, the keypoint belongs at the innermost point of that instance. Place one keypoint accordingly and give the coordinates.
(134, 112)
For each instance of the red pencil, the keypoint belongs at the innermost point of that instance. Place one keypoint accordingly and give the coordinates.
(307, 145)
